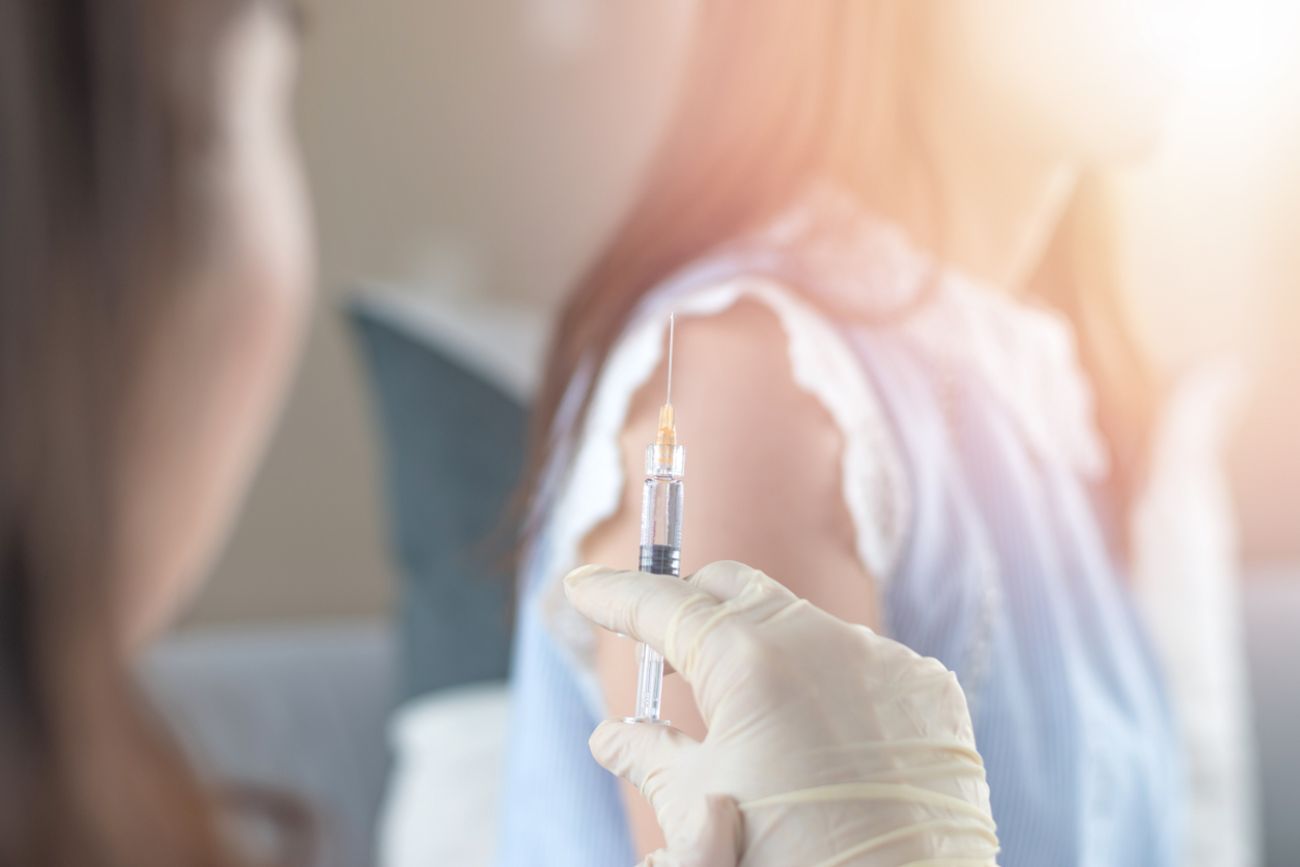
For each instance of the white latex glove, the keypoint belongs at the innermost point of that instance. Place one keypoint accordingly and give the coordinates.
(839, 746)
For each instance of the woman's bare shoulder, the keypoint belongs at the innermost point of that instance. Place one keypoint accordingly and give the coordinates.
(736, 399)
(764, 469)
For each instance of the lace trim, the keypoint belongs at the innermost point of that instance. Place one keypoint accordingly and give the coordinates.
(1024, 353)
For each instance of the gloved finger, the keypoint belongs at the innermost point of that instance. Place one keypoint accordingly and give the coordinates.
(639, 604)
(715, 843)
(727, 579)
(644, 754)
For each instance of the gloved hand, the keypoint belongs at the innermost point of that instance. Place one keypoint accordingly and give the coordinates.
(839, 746)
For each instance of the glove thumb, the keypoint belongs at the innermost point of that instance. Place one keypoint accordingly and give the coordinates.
(716, 843)
(644, 754)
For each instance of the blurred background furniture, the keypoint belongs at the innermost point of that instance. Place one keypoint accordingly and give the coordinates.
(449, 389)
(299, 710)
(1273, 640)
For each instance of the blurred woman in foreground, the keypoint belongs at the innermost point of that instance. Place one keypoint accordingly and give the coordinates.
(154, 269)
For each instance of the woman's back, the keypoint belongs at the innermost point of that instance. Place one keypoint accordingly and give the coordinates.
(966, 462)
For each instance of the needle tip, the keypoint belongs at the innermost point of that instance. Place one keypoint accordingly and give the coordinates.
(672, 333)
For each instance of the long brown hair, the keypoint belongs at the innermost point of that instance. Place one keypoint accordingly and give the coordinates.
(107, 113)
(777, 94)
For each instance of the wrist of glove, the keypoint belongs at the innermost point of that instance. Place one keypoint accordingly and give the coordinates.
(827, 744)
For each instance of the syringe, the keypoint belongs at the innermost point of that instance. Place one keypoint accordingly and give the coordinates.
(661, 534)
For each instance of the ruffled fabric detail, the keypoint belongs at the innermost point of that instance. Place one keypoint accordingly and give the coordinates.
(1023, 352)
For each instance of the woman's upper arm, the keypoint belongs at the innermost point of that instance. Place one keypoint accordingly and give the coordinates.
(764, 485)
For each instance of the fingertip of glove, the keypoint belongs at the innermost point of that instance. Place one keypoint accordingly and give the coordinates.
(722, 809)
(575, 578)
(602, 740)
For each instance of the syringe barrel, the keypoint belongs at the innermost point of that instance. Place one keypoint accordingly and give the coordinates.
(662, 498)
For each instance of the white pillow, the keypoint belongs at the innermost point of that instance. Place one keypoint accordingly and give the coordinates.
(442, 801)
(503, 342)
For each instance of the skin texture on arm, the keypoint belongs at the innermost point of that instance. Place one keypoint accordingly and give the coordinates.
(763, 485)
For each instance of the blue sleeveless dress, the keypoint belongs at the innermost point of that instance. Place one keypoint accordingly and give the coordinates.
(1006, 575)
